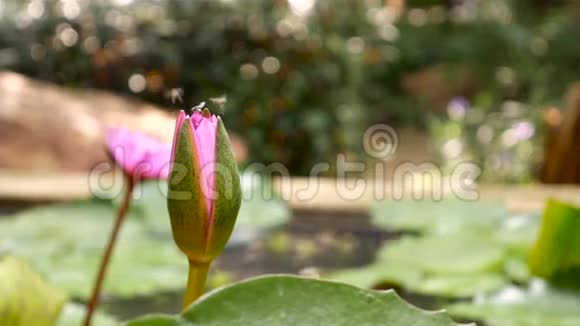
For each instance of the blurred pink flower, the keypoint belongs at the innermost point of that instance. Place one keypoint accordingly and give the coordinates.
(457, 108)
(523, 130)
(138, 154)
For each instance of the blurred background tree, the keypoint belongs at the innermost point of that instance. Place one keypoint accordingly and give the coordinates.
(304, 78)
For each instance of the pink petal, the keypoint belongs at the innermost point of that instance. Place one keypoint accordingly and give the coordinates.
(158, 160)
(196, 118)
(135, 152)
(138, 154)
(205, 141)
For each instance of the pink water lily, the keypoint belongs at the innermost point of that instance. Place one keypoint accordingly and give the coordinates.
(138, 154)
(141, 157)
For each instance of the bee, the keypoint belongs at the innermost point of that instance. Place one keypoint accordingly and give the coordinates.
(176, 95)
(198, 107)
(221, 100)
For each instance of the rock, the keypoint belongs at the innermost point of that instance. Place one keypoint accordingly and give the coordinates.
(55, 129)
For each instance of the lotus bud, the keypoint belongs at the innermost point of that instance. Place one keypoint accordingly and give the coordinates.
(204, 194)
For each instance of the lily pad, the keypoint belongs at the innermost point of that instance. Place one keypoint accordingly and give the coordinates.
(373, 275)
(64, 242)
(459, 286)
(518, 233)
(459, 249)
(538, 305)
(289, 301)
(416, 281)
(453, 254)
(453, 266)
(25, 298)
(437, 217)
(516, 269)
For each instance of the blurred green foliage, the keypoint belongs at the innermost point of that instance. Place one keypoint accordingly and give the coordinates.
(303, 78)
(503, 139)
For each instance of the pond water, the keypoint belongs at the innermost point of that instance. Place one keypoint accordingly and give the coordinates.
(312, 243)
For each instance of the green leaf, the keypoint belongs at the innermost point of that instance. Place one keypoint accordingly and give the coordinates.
(65, 243)
(516, 269)
(463, 248)
(539, 305)
(458, 265)
(459, 286)
(416, 281)
(556, 254)
(373, 275)
(452, 254)
(73, 314)
(158, 320)
(25, 298)
(289, 300)
(437, 217)
(519, 233)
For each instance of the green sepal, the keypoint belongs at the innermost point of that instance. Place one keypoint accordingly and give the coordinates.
(185, 200)
(228, 193)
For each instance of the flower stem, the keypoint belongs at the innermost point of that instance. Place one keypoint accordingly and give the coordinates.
(195, 282)
(121, 213)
